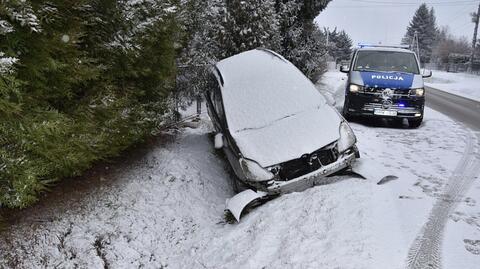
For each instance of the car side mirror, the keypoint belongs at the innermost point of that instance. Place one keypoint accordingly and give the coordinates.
(218, 141)
(344, 69)
(427, 73)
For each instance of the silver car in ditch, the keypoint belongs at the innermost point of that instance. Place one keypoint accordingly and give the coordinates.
(278, 132)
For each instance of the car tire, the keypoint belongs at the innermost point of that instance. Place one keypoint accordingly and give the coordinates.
(415, 123)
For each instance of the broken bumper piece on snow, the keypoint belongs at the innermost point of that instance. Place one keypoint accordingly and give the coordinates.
(366, 168)
(242, 200)
(369, 169)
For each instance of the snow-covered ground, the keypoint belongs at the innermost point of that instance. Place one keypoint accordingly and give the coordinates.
(166, 210)
(466, 85)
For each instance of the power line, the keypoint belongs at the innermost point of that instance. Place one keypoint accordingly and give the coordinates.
(387, 6)
(414, 3)
(462, 27)
(457, 16)
(383, 4)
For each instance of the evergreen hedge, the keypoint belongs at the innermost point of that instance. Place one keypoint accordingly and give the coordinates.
(80, 81)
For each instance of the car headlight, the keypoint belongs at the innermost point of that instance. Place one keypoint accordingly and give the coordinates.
(417, 92)
(253, 171)
(353, 88)
(347, 137)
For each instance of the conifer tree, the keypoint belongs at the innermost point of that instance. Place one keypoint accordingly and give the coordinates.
(80, 80)
(248, 24)
(202, 22)
(424, 25)
(340, 45)
(302, 42)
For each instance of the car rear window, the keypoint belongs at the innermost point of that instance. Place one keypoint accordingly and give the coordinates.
(260, 89)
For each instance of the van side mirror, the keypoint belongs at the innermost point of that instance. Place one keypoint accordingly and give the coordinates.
(344, 69)
(218, 141)
(427, 73)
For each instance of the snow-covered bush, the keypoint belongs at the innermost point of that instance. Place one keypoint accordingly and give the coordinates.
(80, 82)
(220, 28)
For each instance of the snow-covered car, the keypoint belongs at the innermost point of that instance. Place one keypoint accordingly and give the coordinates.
(385, 81)
(277, 131)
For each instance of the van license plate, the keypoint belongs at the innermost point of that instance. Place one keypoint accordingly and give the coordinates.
(382, 112)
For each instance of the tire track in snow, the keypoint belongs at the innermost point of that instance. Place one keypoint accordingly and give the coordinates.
(425, 252)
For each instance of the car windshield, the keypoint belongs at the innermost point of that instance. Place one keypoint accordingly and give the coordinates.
(386, 61)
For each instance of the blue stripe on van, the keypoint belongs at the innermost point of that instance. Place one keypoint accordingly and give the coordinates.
(387, 80)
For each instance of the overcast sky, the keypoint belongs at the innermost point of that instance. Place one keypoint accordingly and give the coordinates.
(386, 21)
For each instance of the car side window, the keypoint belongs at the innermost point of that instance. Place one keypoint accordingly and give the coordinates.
(215, 96)
(211, 84)
(219, 104)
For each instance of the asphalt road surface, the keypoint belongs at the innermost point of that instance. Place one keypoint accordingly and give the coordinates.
(459, 108)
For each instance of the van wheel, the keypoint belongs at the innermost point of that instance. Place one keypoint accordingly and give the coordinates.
(345, 113)
(415, 123)
(349, 117)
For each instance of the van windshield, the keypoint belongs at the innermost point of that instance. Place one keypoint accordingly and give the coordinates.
(386, 61)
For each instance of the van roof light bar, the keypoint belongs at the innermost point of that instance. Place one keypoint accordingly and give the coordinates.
(364, 45)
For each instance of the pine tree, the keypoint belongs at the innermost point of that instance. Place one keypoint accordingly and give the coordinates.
(221, 28)
(424, 24)
(248, 24)
(340, 45)
(308, 51)
(202, 22)
(302, 42)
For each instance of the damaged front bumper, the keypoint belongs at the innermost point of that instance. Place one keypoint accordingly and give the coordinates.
(312, 179)
(273, 188)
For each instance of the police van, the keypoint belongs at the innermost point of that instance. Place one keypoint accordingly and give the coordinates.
(386, 82)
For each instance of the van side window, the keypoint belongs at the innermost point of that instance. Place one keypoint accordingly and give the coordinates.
(352, 57)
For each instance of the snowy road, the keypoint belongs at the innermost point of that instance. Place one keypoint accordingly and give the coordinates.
(460, 108)
(165, 210)
(425, 250)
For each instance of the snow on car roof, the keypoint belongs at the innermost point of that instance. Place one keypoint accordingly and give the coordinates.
(261, 87)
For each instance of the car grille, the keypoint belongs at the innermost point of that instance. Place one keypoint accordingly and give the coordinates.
(397, 92)
(373, 106)
(308, 163)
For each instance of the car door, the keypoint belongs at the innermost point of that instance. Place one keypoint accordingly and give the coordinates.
(217, 115)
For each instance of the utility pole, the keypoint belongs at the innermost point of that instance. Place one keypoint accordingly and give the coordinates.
(415, 46)
(328, 37)
(476, 19)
